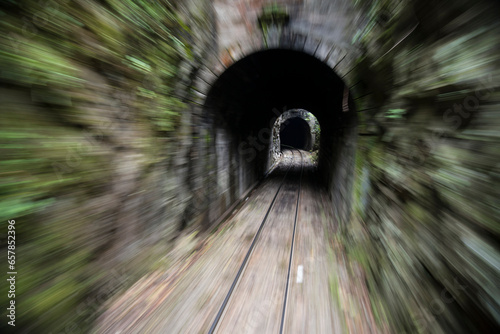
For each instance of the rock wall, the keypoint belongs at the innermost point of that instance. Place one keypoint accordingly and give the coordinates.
(101, 158)
(425, 224)
(109, 148)
(275, 147)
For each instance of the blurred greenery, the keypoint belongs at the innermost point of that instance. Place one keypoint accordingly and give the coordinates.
(273, 15)
(89, 88)
(68, 66)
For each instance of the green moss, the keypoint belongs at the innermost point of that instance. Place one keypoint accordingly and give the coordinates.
(273, 15)
(59, 130)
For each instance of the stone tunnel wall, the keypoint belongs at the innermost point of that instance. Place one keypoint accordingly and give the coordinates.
(419, 213)
(104, 149)
(425, 219)
(109, 152)
(275, 147)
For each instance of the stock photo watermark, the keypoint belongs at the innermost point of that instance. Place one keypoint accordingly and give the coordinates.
(247, 150)
(438, 306)
(455, 116)
(252, 145)
(11, 272)
(96, 136)
(32, 23)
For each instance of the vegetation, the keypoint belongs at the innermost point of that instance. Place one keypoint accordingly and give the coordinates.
(80, 82)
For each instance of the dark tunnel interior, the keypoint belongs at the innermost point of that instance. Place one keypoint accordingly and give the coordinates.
(295, 132)
(248, 97)
(334, 163)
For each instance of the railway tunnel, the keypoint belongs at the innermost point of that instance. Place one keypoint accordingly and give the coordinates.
(295, 132)
(249, 96)
(137, 141)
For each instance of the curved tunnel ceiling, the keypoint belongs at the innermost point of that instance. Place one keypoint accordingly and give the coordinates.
(246, 94)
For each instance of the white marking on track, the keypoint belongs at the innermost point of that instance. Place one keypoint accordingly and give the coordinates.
(300, 274)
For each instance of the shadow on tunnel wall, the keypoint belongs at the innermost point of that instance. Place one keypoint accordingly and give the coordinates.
(111, 147)
(241, 109)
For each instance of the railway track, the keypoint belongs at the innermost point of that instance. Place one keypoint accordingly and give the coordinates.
(241, 271)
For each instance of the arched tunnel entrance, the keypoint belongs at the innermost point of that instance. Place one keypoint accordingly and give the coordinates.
(295, 132)
(141, 151)
(245, 101)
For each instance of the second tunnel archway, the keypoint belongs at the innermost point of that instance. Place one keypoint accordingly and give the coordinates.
(245, 100)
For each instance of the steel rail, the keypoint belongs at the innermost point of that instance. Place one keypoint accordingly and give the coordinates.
(245, 260)
(283, 313)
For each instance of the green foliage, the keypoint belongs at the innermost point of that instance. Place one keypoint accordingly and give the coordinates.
(64, 64)
(273, 15)
(395, 113)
